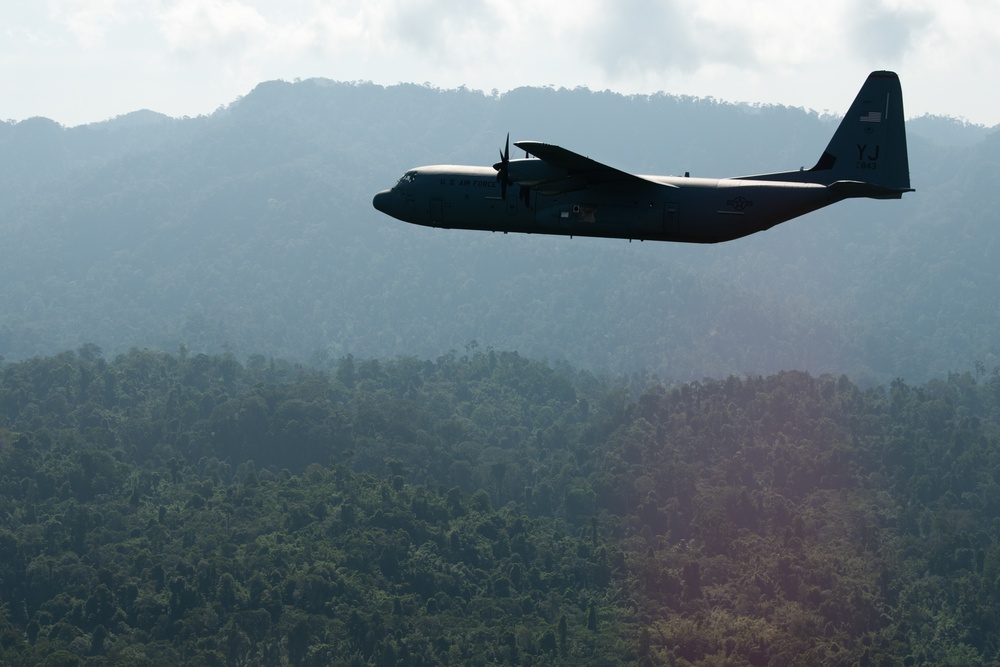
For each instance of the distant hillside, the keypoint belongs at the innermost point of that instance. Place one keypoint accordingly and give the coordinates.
(252, 231)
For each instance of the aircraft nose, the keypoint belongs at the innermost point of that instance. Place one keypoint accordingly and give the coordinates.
(383, 201)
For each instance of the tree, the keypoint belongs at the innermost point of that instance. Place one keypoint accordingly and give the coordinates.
(299, 638)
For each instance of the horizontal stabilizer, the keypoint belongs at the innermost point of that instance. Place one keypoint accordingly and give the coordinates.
(871, 190)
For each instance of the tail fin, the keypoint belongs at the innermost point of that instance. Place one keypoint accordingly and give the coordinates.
(867, 155)
(870, 143)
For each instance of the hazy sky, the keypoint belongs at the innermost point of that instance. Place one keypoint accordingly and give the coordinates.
(78, 61)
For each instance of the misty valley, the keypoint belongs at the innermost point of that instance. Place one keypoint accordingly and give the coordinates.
(246, 420)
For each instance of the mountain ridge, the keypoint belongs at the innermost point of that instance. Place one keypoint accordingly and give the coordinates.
(251, 229)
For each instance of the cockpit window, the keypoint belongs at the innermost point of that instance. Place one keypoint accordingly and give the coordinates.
(408, 177)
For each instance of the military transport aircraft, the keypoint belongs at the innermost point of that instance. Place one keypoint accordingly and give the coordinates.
(562, 192)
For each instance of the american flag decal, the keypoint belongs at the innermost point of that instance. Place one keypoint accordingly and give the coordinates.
(872, 117)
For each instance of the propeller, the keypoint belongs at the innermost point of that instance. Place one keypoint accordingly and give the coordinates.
(503, 170)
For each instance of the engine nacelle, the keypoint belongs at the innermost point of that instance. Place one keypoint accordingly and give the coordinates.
(532, 171)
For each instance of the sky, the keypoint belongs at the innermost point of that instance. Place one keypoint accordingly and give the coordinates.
(81, 61)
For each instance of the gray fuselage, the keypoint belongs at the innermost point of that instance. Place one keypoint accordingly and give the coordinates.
(656, 208)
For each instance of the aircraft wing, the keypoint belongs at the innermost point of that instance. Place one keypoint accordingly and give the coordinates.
(581, 168)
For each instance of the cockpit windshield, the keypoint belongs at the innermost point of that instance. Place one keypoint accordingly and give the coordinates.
(408, 177)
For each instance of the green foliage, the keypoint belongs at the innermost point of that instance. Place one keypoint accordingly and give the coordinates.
(490, 509)
(196, 510)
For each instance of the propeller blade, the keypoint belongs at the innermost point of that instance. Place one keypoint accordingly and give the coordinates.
(503, 173)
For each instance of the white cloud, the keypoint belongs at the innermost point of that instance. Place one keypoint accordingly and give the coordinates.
(89, 20)
(631, 37)
(220, 27)
(960, 34)
(189, 56)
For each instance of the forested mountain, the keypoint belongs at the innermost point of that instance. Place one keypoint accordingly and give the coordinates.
(251, 231)
(402, 492)
(487, 509)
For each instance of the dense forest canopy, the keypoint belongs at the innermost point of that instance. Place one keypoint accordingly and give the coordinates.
(489, 509)
(251, 231)
(236, 426)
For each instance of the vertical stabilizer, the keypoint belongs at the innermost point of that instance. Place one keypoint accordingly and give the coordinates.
(867, 155)
(870, 143)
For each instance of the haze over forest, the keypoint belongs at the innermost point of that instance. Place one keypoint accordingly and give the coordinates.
(247, 420)
(251, 230)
